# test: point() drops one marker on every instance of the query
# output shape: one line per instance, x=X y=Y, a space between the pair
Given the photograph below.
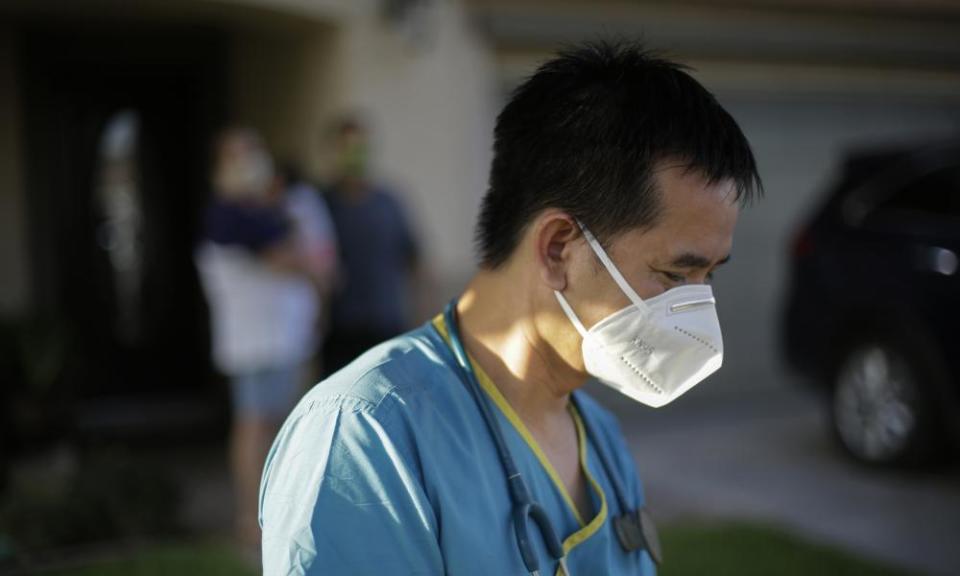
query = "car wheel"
x=879 y=411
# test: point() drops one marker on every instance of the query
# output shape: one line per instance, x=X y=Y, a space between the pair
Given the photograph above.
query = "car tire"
x=882 y=409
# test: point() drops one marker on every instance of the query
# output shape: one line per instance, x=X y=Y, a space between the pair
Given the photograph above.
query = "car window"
x=937 y=193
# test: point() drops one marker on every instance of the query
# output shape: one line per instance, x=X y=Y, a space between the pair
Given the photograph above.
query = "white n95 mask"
x=653 y=350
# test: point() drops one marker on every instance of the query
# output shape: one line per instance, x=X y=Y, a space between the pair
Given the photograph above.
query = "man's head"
x=637 y=151
x=585 y=134
x=352 y=150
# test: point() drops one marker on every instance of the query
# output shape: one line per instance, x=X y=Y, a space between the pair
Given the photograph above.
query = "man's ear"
x=554 y=233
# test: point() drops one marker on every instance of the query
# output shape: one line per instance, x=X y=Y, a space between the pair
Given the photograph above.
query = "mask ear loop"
x=611 y=267
x=571 y=315
x=614 y=273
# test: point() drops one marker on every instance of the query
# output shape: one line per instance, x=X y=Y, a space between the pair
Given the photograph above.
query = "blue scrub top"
x=387 y=467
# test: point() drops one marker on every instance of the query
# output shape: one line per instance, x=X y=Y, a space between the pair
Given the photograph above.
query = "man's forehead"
x=678 y=246
x=694 y=243
x=691 y=251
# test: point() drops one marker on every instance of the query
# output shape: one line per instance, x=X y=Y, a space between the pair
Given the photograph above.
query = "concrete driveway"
x=767 y=455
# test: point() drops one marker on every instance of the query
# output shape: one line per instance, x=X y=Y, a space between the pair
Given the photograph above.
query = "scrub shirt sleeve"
x=340 y=495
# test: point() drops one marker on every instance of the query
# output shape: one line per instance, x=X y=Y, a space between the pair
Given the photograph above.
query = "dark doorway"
x=113 y=268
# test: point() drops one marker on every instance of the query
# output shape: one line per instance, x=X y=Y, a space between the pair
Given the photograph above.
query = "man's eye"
x=676 y=278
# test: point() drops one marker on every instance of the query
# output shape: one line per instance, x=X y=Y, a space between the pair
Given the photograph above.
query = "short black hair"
x=584 y=134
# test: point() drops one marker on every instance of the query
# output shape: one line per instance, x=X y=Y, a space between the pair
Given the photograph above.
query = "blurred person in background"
x=257 y=276
x=466 y=446
x=378 y=254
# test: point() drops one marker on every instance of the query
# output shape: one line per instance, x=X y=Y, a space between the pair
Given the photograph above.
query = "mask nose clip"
x=692 y=305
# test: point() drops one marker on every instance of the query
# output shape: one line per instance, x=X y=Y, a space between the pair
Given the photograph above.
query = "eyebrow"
x=691 y=260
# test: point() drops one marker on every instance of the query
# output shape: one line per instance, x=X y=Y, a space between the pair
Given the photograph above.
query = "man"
x=377 y=255
x=415 y=460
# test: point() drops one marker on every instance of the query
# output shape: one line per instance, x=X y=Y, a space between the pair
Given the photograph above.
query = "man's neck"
x=499 y=332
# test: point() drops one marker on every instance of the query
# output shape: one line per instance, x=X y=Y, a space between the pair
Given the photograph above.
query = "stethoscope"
x=635 y=529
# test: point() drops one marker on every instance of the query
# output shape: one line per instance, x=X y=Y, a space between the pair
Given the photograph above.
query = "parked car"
x=872 y=314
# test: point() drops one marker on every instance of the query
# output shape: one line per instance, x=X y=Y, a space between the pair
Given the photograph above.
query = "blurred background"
x=823 y=446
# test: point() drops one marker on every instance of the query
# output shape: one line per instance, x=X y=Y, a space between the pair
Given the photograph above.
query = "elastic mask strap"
x=611 y=267
x=571 y=315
